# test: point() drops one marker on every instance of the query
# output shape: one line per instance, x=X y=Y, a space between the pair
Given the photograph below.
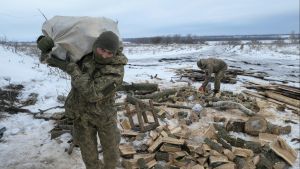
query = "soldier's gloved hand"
x=45 y=43
x=73 y=69
x=201 y=89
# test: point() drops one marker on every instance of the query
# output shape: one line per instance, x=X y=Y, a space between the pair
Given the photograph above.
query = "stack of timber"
x=283 y=95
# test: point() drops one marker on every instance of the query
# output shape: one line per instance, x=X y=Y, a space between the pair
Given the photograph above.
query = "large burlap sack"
x=75 y=35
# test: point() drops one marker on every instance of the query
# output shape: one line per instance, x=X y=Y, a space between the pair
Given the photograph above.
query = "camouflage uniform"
x=90 y=104
x=212 y=65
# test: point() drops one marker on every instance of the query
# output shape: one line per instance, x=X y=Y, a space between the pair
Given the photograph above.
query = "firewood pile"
x=175 y=147
x=154 y=135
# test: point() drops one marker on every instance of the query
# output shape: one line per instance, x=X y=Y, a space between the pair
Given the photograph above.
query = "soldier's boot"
x=86 y=136
x=110 y=138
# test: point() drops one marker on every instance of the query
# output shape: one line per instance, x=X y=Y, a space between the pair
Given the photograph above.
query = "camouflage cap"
x=107 y=40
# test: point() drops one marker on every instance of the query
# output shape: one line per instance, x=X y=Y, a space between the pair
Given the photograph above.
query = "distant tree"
x=294 y=39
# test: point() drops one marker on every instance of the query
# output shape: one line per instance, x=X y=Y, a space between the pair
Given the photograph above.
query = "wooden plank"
x=171 y=140
x=129 y=133
x=242 y=152
x=170 y=148
x=126 y=150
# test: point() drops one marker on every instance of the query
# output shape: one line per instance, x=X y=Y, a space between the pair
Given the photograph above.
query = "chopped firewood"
x=156 y=144
x=192 y=146
x=256 y=125
x=278 y=130
x=126 y=150
x=164 y=133
x=171 y=140
x=242 y=152
x=214 y=145
x=162 y=156
x=235 y=125
x=219 y=119
x=146 y=157
x=256 y=159
x=266 y=137
x=179 y=154
x=243 y=163
x=226 y=166
x=197 y=167
x=151 y=164
x=129 y=163
x=217 y=160
x=282 y=149
x=125 y=124
x=202 y=160
x=153 y=134
x=170 y=148
x=129 y=133
x=210 y=132
x=229 y=154
x=175 y=130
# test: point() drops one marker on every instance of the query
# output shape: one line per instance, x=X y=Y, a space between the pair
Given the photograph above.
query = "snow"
x=26 y=143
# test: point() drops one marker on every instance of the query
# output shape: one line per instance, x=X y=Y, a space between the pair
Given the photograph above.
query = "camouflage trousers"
x=218 y=77
x=86 y=128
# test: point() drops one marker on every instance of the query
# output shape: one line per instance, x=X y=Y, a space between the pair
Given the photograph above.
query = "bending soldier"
x=94 y=79
x=212 y=65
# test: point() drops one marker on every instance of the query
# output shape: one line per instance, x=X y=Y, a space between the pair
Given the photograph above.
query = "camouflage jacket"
x=211 y=65
x=93 y=84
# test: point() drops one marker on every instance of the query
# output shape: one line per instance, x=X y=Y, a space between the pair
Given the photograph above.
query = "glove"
x=45 y=43
x=201 y=89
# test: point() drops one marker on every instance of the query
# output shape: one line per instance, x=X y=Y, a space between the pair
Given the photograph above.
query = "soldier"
x=212 y=65
x=94 y=79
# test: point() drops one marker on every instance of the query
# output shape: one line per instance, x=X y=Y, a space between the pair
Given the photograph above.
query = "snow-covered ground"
x=26 y=143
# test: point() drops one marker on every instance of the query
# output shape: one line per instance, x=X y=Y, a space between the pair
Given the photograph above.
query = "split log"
x=155 y=144
x=232 y=105
x=281 y=148
x=162 y=156
x=170 y=148
x=142 y=105
x=126 y=150
x=214 y=145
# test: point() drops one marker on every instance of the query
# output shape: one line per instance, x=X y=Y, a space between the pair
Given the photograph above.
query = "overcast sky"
x=20 y=19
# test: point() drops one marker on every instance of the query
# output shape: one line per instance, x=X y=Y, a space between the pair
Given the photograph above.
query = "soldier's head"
x=200 y=64
x=106 y=45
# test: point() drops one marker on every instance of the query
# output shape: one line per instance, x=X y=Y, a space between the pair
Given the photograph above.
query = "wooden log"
x=236 y=125
x=278 y=130
x=256 y=125
x=159 y=95
x=232 y=105
x=242 y=152
x=172 y=106
x=139 y=86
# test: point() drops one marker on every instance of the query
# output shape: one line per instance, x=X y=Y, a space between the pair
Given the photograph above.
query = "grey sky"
x=20 y=20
